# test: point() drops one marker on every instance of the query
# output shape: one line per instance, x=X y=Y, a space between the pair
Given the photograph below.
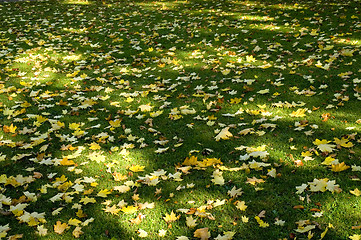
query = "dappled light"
x=195 y=119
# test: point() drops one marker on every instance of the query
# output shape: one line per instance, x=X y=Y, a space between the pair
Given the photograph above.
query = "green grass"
x=175 y=74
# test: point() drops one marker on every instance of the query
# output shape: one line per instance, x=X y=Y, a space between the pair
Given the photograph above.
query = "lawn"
x=180 y=119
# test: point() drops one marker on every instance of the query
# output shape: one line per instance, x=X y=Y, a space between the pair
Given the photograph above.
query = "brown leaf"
x=315 y=210
x=298 y=207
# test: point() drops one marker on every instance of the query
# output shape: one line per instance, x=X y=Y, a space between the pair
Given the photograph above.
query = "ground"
x=180 y=119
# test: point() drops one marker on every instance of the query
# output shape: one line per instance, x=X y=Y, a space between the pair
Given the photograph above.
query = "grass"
x=109 y=93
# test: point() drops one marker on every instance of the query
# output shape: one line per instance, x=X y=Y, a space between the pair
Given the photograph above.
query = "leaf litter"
x=216 y=94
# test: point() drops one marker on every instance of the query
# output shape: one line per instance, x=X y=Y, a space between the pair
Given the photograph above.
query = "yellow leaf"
x=137 y=168
x=245 y=219
x=103 y=193
x=190 y=161
x=42 y=231
x=323 y=234
x=87 y=200
x=9 y=129
x=77 y=232
x=355 y=237
x=202 y=233
x=145 y=107
x=224 y=134
x=122 y=188
x=191 y=223
x=171 y=217
x=356 y=192
x=94 y=146
x=142 y=233
x=74 y=126
x=59 y=227
x=241 y=205
x=261 y=223
x=209 y=162
x=119 y=177
x=74 y=222
x=328 y=161
x=41 y=119
x=162 y=233
x=226 y=72
x=129 y=209
x=113 y=210
x=80 y=214
x=115 y=123
x=66 y=162
x=339 y=167
x=299 y=113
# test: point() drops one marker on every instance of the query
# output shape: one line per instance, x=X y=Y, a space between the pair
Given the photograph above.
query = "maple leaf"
x=223 y=134
x=66 y=162
x=241 y=205
x=356 y=192
x=80 y=214
x=343 y=142
x=190 y=161
x=217 y=178
x=3 y=230
x=191 y=223
x=9 y=129
x=162 y=233
x=115 y=123
x=87 y=200
x=145 y=108
x=74 y=222
x=42 y=231
x=77 y=232
x=234 y=192
x=260 y=222
x=209 y=162
x=245 y=219
x=122 y=188
x=59 y=227
x=202 y=233
x=299 y=113
x=138 y=219
x=104 y=193
x=355 y=237
x=339 y=167
x=301 y=189
x=305 y=229
x=113 y=210
x=253 y=181
x=323 y=145
x=94 y=146
x=129 y=209
x=226 y=236
x=171 y=217
x=142 y=233
x=137 y=168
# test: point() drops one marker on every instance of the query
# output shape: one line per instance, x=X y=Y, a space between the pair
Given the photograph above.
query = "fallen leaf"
x=202 y=233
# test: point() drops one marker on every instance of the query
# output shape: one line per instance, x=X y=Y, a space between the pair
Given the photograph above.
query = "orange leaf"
x=315 y=210
x=9 y=129
x=298 y=207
